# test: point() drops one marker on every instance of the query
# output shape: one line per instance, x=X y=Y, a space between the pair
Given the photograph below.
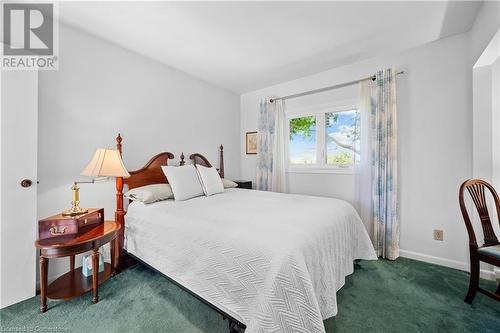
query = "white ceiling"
x=243 y=46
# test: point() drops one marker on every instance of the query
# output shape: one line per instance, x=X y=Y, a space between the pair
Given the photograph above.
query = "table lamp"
x=105 y=163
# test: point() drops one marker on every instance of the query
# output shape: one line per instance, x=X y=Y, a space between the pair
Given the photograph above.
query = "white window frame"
x=319 y=112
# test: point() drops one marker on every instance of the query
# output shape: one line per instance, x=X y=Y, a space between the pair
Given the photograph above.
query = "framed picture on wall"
x=251 y=140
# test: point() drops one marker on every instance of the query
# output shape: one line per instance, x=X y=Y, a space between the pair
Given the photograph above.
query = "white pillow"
x=210 y=180
x=150 y=193
x=184 y=181
x=228 y=183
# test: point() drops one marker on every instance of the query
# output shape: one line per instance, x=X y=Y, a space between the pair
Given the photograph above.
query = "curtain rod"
x=315 y=91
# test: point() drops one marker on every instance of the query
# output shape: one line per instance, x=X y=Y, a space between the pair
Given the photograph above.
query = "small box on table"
x=60 y=226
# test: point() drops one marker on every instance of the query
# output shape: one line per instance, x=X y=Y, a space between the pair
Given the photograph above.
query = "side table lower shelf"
x=74 y=283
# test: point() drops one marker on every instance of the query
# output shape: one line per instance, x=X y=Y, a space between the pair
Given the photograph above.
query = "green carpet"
x=382 y=296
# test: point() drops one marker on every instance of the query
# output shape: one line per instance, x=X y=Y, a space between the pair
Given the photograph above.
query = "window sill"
x=341 y=171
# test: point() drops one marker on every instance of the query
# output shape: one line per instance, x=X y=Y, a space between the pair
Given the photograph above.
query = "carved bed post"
x=182 y=162
x=221 y=162
x=120 y=213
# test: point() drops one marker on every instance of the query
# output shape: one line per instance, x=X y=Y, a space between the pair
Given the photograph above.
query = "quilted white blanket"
x=273 y=261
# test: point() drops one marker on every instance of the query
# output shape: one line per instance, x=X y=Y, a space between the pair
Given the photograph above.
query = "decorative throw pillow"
x=228 y=183
x=150 y=193
x=210 y=180
x=184 y=181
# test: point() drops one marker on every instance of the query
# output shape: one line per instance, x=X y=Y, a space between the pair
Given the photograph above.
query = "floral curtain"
x=270 y=146
x=363 y=199
x=384 y=165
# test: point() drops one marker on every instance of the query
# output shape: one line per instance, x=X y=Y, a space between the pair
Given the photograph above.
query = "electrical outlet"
x=438 y=234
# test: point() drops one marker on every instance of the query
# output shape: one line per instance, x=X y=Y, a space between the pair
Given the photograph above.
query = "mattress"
x=273 y=261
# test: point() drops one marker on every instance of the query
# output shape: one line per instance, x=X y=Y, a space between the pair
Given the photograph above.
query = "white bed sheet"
x=273 y=261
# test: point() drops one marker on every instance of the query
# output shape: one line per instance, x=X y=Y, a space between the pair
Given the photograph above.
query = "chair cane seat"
x=490 y=251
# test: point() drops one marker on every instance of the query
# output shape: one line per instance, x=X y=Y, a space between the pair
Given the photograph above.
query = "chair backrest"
x=476 y=189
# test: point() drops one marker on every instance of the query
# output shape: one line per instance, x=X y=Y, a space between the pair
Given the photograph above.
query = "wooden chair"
x=489 y=252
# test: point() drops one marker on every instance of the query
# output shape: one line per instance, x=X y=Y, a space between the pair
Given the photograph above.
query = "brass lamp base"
x=74 y=211
x=75 y=204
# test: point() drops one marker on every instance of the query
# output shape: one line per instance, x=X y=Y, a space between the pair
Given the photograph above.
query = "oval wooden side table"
x=74 y=283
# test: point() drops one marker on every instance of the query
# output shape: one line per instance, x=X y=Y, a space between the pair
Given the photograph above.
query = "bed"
x=268 y=262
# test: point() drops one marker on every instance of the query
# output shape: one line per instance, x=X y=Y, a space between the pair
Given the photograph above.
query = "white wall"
x=486 y=121
x=486 y=101
x=482 y=123
x=101 y=89
x=435 y=142
x=495 y=121
x=486 y=124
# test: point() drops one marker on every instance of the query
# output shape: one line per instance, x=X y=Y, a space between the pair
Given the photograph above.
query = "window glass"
x=342 y=138
x=302 y=147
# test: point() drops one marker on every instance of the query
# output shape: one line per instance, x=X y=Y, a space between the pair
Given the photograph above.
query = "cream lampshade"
x=105 y=163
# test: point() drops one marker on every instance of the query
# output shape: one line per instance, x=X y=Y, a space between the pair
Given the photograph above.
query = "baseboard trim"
x=463 y=266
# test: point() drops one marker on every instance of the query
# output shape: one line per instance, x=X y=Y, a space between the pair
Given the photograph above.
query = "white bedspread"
x=273 y=261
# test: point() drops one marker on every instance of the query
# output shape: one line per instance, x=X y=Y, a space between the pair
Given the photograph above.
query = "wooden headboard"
x=149 y=174
x=202 y=160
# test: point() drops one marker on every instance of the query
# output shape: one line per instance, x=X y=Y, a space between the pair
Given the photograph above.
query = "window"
x=326 y=138
x=342 y=138
x=302 y=140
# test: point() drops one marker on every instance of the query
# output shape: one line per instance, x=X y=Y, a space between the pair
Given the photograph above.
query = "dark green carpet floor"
x=382 y=296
